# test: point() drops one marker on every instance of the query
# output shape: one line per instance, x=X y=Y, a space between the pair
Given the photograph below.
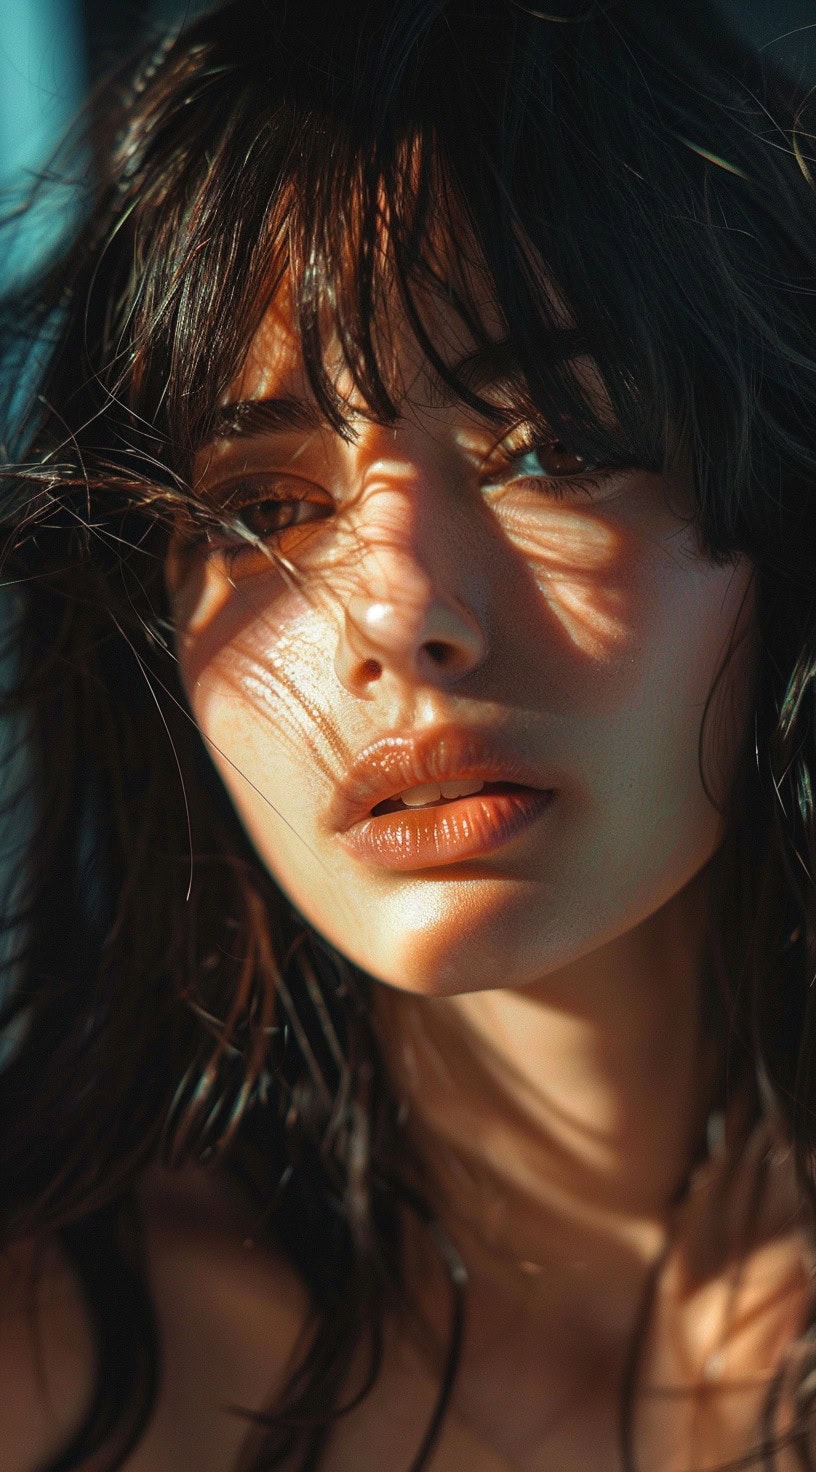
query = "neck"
x=557 y=1122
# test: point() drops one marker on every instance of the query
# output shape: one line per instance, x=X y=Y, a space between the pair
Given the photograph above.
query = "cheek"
x=695 y=648
x=665 y=758
x=582 y=567
x=261 y=690
x=256 y=661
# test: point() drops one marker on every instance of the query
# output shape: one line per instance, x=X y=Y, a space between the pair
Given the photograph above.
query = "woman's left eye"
x=548 y=460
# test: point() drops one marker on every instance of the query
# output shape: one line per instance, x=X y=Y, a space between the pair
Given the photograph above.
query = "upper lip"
x=392 y=764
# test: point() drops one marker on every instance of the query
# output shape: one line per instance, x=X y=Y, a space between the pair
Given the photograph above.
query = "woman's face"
x=459 y=601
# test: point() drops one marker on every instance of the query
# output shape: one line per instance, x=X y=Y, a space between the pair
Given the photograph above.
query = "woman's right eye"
x=274 y=508
x=264 y=519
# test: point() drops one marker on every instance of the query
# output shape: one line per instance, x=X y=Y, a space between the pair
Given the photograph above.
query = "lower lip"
x=430 y=838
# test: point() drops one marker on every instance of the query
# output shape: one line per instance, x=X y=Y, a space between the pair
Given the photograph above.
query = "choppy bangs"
x=575 y=199
x=360 y=234
x=636 y=182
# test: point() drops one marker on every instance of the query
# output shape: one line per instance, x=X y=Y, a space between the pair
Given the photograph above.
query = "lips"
x=432 y=795
x=383 y=833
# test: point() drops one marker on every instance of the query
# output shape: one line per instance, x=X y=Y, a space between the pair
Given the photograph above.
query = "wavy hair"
x=631 y=165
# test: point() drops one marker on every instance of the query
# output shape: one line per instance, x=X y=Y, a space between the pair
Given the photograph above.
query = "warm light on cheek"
x=223 y=622
x=271 y=673
x=578 y=563
x=198 y=598
x=272 y=730
x=263 y=692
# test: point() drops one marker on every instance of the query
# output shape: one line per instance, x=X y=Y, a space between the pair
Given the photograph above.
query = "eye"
x=263 y=519
x=531 y=456
x=547 y=460
x=263 y=511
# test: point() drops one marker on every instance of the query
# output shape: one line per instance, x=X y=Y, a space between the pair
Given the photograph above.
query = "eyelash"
x=223 y=538
x=534 y=443
x=230 y=545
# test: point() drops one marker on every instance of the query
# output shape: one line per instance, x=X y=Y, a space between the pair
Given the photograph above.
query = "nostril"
x=426 y=637
x=441 y=654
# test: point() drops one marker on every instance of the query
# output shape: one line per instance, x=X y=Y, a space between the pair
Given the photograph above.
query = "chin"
x=428 y=967
x=407 y=974
x=421 y=982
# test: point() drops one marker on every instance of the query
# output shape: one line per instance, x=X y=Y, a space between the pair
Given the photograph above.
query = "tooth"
x=461 y=789
x=416 y=797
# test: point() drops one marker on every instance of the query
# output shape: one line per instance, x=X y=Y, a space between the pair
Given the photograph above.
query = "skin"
x=583 y=626
x=541 y=1013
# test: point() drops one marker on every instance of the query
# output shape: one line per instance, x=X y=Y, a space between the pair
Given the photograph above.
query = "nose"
x=408 y=613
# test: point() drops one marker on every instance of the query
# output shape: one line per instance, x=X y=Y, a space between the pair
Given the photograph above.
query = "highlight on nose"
x=441 y=638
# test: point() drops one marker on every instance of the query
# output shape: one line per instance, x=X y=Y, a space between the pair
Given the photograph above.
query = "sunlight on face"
x=442 y=575
x=573 y=556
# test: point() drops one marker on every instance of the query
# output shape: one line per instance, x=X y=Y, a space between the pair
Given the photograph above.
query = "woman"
x=410 y=1053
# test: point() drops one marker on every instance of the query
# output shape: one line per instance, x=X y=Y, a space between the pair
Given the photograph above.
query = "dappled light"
x=574 y=557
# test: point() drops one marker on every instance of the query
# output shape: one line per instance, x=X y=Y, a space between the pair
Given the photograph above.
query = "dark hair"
x=632 y=166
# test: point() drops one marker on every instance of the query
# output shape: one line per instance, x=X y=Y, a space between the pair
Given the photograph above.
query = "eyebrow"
x=488 y=367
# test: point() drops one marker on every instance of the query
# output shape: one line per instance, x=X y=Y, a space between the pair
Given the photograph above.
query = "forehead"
x=272 y=393
x=380 y=320
x=274 y=362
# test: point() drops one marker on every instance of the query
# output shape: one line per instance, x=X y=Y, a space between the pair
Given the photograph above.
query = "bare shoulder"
x=230 y=1313
x=46 y=1356
x=211 y=1267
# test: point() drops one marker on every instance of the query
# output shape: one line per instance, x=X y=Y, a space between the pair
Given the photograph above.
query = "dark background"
x=110 y=26
x=782 y=24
